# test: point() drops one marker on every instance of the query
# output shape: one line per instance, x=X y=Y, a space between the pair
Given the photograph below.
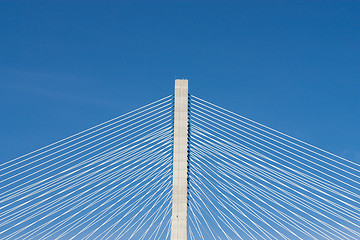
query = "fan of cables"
x=112 y=181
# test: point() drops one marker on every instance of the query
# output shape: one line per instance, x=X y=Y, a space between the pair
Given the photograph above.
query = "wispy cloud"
x=50 y=86
x=61 y=95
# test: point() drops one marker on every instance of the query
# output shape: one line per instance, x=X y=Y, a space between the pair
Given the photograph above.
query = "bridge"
x=180 y=168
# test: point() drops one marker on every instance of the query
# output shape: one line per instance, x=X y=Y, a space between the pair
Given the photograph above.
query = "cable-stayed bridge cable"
x=271 y=184
x=245 y=181
x=94 y=183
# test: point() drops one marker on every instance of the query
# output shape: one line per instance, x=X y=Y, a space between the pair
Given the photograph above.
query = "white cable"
x=278 y=132
x=232 y=203
x=33 y=223
x=276 y=209
x=121 y=191
x=82 y=173
x=217 y=115
x=306 y=176
x=77 y=189
x=224 y=151
x=214 y=122
x=221 y=212
x=141 y=130
x=18 y=162
x=132 y=208
x=288 y=157
x=129 y=130
x=282 y=190
x=239 y=192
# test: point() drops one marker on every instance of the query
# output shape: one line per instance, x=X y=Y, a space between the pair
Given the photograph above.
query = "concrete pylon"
x=180 y=158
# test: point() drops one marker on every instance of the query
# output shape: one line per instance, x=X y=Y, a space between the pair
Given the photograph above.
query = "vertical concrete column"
x=179 y=207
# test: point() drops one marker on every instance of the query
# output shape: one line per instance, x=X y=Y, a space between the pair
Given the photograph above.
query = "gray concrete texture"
x=179 y=207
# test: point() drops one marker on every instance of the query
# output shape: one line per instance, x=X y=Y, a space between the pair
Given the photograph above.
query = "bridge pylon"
x=180 y=162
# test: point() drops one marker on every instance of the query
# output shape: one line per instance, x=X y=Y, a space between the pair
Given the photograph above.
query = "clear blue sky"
x=68 y=65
